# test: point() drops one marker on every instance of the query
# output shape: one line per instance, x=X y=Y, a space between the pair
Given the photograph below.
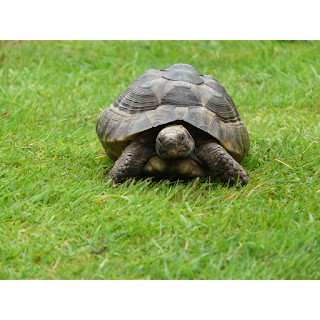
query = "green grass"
x=54 y=210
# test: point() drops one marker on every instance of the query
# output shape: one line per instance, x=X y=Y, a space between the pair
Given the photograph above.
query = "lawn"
x=54 y=210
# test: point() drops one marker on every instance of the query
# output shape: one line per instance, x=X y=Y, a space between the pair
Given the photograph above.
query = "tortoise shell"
x=177 y=93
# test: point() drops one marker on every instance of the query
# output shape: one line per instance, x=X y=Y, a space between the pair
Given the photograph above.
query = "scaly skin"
x=222 y=164
x=131 y=162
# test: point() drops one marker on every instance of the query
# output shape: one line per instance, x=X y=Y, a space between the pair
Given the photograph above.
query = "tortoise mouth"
x=174 y=153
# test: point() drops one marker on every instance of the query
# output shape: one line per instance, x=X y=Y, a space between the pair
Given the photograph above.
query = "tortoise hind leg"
x=222 y=164
x=130 y=162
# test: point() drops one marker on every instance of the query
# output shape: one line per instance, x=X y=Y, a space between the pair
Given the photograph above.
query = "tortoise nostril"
x=170 y=143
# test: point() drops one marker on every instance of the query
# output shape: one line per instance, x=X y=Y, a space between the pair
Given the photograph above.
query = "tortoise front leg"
x=131 y=162
x=222 y=164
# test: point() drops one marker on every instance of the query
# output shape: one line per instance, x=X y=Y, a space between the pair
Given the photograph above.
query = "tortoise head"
x=174 y=141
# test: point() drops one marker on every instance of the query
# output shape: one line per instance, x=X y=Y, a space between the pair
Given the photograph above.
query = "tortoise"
x=174 y=121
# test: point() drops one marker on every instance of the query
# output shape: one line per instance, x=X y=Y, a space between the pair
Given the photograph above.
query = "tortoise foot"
x=222 y=164
x=130 y=163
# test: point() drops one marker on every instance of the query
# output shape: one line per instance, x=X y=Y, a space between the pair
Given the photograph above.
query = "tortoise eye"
x=160 y=140
x=183 y=138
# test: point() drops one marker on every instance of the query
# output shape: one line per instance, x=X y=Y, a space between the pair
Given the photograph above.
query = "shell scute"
x=187 y=77
x=177 y=93
x=162 y=115
x=199 y=117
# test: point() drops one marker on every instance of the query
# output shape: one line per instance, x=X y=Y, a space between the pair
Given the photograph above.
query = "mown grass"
x=54 y=210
